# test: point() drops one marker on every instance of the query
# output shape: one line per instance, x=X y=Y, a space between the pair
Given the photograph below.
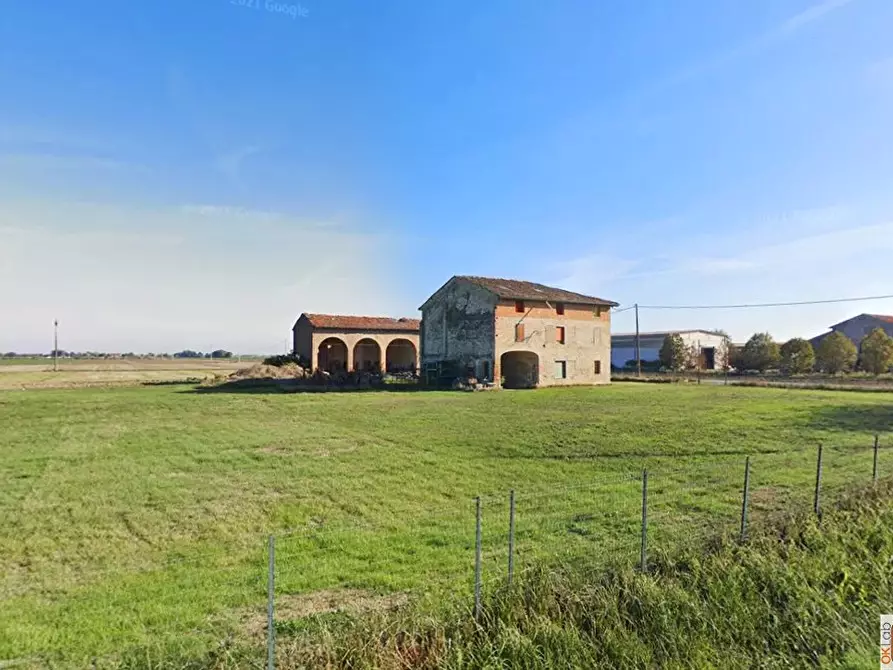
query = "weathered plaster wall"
x=458 y=325
x=587 y=339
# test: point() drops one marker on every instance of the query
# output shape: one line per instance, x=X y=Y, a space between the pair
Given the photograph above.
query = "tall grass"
x=800 y=593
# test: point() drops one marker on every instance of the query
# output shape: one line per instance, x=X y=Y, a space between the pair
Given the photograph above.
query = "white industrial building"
x=709 y=342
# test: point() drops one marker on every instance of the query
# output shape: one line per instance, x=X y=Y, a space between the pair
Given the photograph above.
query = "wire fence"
x=283 y=583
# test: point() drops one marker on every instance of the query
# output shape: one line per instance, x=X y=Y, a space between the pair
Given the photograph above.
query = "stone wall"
x=458 y=326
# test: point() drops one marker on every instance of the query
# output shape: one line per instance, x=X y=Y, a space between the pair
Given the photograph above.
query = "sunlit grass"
x=137 y=517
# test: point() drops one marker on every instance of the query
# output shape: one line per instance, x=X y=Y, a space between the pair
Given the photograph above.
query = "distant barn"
x=858 y=327
x=339 y=343
x=709 y=342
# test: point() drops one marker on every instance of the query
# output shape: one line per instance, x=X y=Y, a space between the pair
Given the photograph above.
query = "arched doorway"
x=520 y=369
x=400 y=356
x=332 y=355
x=367 y=356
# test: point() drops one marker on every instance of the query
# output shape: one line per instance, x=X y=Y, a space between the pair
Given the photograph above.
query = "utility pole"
x=638 y=355
x=55 y=344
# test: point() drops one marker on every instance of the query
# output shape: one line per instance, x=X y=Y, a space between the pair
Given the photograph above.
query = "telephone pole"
x=55 y=344
x=638 y=356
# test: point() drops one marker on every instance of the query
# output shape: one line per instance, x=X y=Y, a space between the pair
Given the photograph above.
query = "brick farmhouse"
x=518 y=334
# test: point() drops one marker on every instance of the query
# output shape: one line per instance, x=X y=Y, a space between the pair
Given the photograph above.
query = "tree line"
x=186 y=353
x=834 y=354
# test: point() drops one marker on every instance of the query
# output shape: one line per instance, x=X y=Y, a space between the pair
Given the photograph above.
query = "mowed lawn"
x=135 y=518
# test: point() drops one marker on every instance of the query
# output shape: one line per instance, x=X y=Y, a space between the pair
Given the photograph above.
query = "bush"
x=760 y=353
x=673 y=354
x=797 y=356
x=281 y=360
x=876 y=352
x=836 y=353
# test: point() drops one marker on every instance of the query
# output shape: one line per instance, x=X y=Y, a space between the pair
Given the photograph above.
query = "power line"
x=618 y=311
x=763 y=304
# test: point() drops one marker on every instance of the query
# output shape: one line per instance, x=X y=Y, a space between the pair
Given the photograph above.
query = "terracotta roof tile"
x=883 y=317
x=514 y=289
x=344 y=322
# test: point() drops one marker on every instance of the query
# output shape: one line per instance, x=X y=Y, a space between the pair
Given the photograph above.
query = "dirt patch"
x=768 y=498
x=261 y=371
x=329 y=601
x=276 y=450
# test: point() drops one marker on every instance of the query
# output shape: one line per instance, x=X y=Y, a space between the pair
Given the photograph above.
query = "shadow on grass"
x=862 y=418
x=266 y=386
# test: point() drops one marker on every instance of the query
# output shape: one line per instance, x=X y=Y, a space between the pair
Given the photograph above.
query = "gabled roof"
x=515 y=289
x=879 y=317
x=344 y=322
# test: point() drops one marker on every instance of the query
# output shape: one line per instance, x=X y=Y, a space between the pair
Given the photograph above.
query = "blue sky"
x=197 y=174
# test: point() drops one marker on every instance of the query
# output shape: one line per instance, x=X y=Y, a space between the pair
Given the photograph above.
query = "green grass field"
x=133 y=520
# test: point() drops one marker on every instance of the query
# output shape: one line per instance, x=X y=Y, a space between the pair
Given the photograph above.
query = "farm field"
x=37 y=373
x=133 y=520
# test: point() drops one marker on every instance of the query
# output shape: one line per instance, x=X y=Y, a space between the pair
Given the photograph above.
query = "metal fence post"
x=817 y=504
x=643 y=560
x=874 y=466
x=511 y=535
x=745 y=499
x=477 y=560
x=271 y=633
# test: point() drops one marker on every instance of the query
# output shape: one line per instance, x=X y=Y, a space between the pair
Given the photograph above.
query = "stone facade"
x=479 y=325
x=337 y=343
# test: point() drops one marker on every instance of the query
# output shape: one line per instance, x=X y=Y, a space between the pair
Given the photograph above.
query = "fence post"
x=643 y=560
x=745 y=499
x=817 y=504
x=477 y=559
x=271 y=633
x=874 y=466
x=511 y=535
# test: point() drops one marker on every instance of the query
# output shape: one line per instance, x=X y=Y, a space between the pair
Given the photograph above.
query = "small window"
x=560 y=369
x=598 y=367
x=559 y=308
x=559 y=334
x=485 y=370
x=519 y=332
x=598 y=311
x=519 y=306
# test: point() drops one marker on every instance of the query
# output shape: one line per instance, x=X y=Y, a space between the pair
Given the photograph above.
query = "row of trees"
x=835 y=353
x=188 y=353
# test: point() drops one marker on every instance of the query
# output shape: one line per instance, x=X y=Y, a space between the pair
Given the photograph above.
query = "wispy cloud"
x=810 y=15
x=757 y=44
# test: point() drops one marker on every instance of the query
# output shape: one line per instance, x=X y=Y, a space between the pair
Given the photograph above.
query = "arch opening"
x=400 y=356
x=332 y=355
x=367 y=356
x=520 y=369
